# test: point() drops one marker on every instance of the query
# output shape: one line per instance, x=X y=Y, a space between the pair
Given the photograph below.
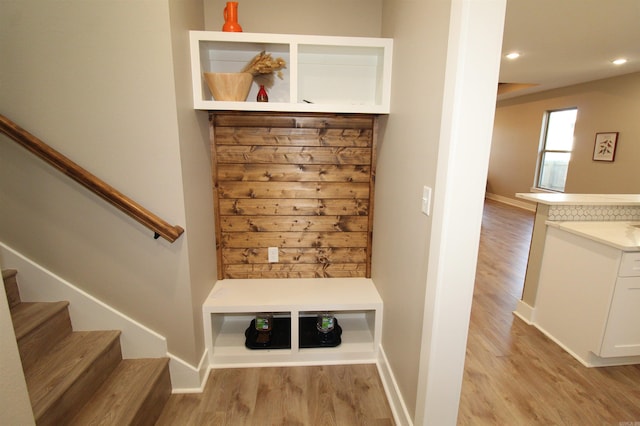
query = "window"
x=557 y=143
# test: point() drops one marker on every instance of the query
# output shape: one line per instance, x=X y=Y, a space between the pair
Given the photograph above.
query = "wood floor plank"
x=294 y=396
x=294 y=385
x=347 y=409
x=243 y=393
x=182 y=409
x=321 y=389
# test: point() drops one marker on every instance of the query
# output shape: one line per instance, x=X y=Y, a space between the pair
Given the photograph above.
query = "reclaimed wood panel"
x=292 y=155
x=297 y=255
x=294 y=173
x=371 y=194
x=294 y=190
x=278 y=270
x=293 y=223
x=301 y=183
x=294 y=239
x=285 y=207
x=293 y=121
x=293 y=137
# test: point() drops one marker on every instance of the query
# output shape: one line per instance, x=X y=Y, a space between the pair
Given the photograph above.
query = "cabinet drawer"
x=630 y=265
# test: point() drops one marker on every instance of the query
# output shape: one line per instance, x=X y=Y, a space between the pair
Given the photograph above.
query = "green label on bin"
x=327 y=323
x=262 y=324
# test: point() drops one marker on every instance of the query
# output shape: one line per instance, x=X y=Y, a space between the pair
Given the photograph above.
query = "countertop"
x=621 y=235
x=557 y=198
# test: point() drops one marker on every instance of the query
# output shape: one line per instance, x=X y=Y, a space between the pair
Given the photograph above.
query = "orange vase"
x=231 y=18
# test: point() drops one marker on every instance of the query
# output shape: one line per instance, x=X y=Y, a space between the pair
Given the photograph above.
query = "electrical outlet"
x=426 y=200
x=273 y=254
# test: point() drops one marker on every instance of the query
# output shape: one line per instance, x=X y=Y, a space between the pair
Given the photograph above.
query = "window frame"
x=543 y=148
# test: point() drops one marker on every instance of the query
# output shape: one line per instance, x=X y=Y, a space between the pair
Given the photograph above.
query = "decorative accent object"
x=262 y=95
x=279 y=337
x=311 y=336
x=231 y=18
x=233 y=86
x=263 y=66
x=605 y=146
x=263 y=325
x=264 y=322
x=325 y=322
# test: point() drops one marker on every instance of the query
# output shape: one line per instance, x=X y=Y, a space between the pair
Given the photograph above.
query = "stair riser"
x=11 y=287
x=135 y=394
x=66 y=407
x=155 y=402
x=39 y=341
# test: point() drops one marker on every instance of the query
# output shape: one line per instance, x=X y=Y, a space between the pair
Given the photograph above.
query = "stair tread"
x=27 y=316
x=120 y=397
x=68 y=360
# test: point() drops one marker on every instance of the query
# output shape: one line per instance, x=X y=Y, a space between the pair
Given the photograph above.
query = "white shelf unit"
x=323 y=74
x=233 y=303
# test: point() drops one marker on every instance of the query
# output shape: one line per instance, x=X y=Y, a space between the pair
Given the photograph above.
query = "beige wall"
x=407 y=160
x=95 y=80
x=358 y=18
x=195 y=163
x=609 y=105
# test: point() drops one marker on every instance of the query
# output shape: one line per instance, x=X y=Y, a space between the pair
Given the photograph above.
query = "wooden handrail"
x=89 y=181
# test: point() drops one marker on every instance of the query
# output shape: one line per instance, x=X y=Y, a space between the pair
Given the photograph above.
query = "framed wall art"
x=605 y=146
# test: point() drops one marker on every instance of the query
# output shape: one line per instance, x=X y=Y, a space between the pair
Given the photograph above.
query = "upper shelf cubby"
x=323 y=74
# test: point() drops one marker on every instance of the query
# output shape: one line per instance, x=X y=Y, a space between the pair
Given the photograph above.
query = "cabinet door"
x=622 y=334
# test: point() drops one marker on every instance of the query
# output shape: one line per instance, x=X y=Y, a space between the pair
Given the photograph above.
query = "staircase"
x=79 y=377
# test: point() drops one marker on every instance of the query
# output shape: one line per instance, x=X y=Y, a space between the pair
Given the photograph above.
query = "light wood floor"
x=307 y=396
x=514 y=375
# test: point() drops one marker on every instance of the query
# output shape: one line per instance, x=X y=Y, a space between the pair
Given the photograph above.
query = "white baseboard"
x=36 y=284
x=188 y=379
x=399 y=410
x=511 y=201
x=524 y=311
x=559 y=343
x=588 y=358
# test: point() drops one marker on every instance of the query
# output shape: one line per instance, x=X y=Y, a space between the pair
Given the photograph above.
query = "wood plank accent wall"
x=300 y=182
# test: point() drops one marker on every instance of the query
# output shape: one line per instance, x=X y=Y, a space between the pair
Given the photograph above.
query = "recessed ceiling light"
x=619 y=61
x=512 y=55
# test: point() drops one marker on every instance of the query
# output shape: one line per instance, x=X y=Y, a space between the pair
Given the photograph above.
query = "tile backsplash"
x=594 y=213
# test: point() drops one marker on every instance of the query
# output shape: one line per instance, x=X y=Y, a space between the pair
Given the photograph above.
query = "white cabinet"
x=233 y=303
x=323 y=74
x=622 y=333
x=588 y=299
